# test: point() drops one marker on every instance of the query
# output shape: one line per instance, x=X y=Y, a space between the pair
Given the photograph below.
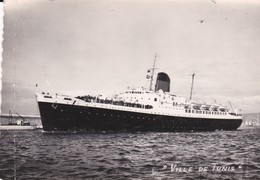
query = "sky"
x=77 y=47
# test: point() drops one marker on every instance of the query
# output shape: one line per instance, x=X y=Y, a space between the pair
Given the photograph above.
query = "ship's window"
x=192 y=111
x=155 y=99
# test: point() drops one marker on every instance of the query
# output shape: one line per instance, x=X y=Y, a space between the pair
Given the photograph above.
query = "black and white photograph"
x=133 y=89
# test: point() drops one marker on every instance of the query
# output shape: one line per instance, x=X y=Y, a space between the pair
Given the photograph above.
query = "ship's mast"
x=192 y=86
x=10 y=117
x=151 y=80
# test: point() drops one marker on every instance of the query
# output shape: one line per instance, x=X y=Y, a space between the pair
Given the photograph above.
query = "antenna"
x=151 y=81
x=192 y=86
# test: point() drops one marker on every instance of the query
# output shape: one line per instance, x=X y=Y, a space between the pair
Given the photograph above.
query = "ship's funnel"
x=162 y=82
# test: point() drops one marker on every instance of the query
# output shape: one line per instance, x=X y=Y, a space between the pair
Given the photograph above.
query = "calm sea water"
x=207 y=155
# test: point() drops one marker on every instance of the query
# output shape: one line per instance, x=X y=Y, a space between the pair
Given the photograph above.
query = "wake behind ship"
x=136 y=109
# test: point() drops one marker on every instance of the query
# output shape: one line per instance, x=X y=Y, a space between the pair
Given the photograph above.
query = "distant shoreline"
x=16 y=116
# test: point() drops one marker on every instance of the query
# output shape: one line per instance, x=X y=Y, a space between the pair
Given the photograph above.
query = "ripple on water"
x=129 y=155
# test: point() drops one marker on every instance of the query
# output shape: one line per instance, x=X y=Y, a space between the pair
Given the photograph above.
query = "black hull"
x=62 y=117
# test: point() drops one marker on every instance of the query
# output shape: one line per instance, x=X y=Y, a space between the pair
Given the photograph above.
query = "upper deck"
x=144 y=101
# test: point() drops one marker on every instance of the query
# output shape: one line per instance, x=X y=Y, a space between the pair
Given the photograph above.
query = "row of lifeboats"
x=206 y=107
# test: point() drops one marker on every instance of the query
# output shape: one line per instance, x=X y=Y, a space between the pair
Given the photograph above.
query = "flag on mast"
x=149 y=74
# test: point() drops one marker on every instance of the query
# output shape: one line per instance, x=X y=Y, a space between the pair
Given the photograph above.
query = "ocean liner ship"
x=137 y=109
